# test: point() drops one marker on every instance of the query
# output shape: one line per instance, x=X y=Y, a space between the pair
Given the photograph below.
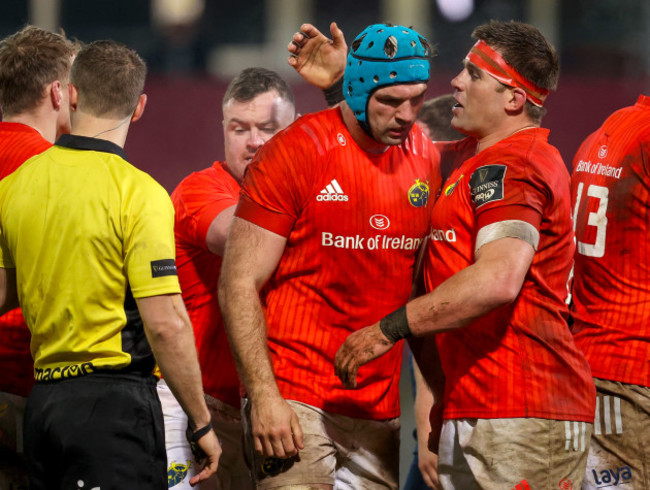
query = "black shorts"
x=96 y=431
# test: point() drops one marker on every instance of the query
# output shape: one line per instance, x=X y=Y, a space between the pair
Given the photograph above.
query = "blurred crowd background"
x=194 y=47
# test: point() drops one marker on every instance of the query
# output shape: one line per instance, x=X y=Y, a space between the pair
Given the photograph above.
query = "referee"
x=87 y=249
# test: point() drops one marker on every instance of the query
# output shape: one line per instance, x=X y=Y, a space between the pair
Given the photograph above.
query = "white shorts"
x=232 y=473
x=180 y=462
x=619 y=455
x=517 y=453
x=344 y=452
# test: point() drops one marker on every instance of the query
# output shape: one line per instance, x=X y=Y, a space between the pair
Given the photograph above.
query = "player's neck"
x=113 y=130
x=503 y=132
x=358 y=134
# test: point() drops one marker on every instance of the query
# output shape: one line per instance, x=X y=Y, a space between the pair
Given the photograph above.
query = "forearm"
x=172 y=342
x=494 y=280
x=455 y=303
x=252 y=254
x=430 y=387
x=422 y=407
x=179 y=365
x=246 y=330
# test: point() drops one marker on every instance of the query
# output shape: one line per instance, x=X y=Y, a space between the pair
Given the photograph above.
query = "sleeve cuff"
x=278 y=223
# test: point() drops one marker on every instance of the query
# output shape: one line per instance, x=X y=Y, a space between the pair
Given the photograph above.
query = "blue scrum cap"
x=383 y=55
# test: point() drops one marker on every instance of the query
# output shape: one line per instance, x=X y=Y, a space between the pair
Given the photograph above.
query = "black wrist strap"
x=395 y=326
x=334 y=93
x=197 y=434
x=193 y=437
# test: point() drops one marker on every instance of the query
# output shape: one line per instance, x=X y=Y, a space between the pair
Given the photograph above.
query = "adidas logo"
x=332 y=192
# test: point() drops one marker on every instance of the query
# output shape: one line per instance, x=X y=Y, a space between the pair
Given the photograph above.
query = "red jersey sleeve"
x=274 y=188
x=512 y=190
x=198 y=199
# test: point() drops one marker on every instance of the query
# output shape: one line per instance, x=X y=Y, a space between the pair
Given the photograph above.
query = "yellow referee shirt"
x=87 y=233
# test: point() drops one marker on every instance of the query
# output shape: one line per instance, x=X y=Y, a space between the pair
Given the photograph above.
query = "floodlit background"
x=194 y=47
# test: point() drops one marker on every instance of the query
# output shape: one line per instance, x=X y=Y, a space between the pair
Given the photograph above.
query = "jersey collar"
x=94 y=144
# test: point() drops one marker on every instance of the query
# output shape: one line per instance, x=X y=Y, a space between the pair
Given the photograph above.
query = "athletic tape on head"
x=489 y=60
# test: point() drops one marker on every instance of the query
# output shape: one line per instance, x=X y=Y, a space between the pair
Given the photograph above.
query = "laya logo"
x=332 y=192
x=612 y=477
x=341 y=139
x=177 y=472
x=379 y=222
x=602 y=151
x=419 y=193
x=486 y=184
x=449 y=190
x=164 y=267
x=565 y=484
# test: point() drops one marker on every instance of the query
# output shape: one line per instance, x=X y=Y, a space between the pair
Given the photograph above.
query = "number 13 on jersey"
x=596 y=219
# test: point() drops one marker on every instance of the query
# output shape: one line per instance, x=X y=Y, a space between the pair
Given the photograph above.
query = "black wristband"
x=334 y=93
x=193 y=437
x=395 y=326
x=197 y=434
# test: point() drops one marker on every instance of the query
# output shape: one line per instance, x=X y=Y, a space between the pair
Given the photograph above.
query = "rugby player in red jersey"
x=611 y=292
x=518 y=402
x=256 y=105
x=332 y=213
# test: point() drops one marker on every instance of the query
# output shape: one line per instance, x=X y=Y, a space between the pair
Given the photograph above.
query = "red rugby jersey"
x=610 y=191
x=353 y=223
x=198 y=199
x=18 y=142
x=519 y=360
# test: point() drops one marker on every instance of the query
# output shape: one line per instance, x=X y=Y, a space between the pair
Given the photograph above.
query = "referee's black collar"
x=85 y=143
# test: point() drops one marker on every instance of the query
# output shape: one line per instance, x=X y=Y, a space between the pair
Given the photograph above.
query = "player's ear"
x=139 y=108
x=74 y=97
x=55 y=94
x=517 y=99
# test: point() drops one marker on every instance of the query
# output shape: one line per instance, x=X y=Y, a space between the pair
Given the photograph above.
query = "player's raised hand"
x=318 y=59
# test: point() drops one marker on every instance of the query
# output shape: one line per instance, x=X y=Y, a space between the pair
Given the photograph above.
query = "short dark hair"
x=436 y=114
x=526 y=49
x=30 y=60
x=251 y=82
x=109 y=77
